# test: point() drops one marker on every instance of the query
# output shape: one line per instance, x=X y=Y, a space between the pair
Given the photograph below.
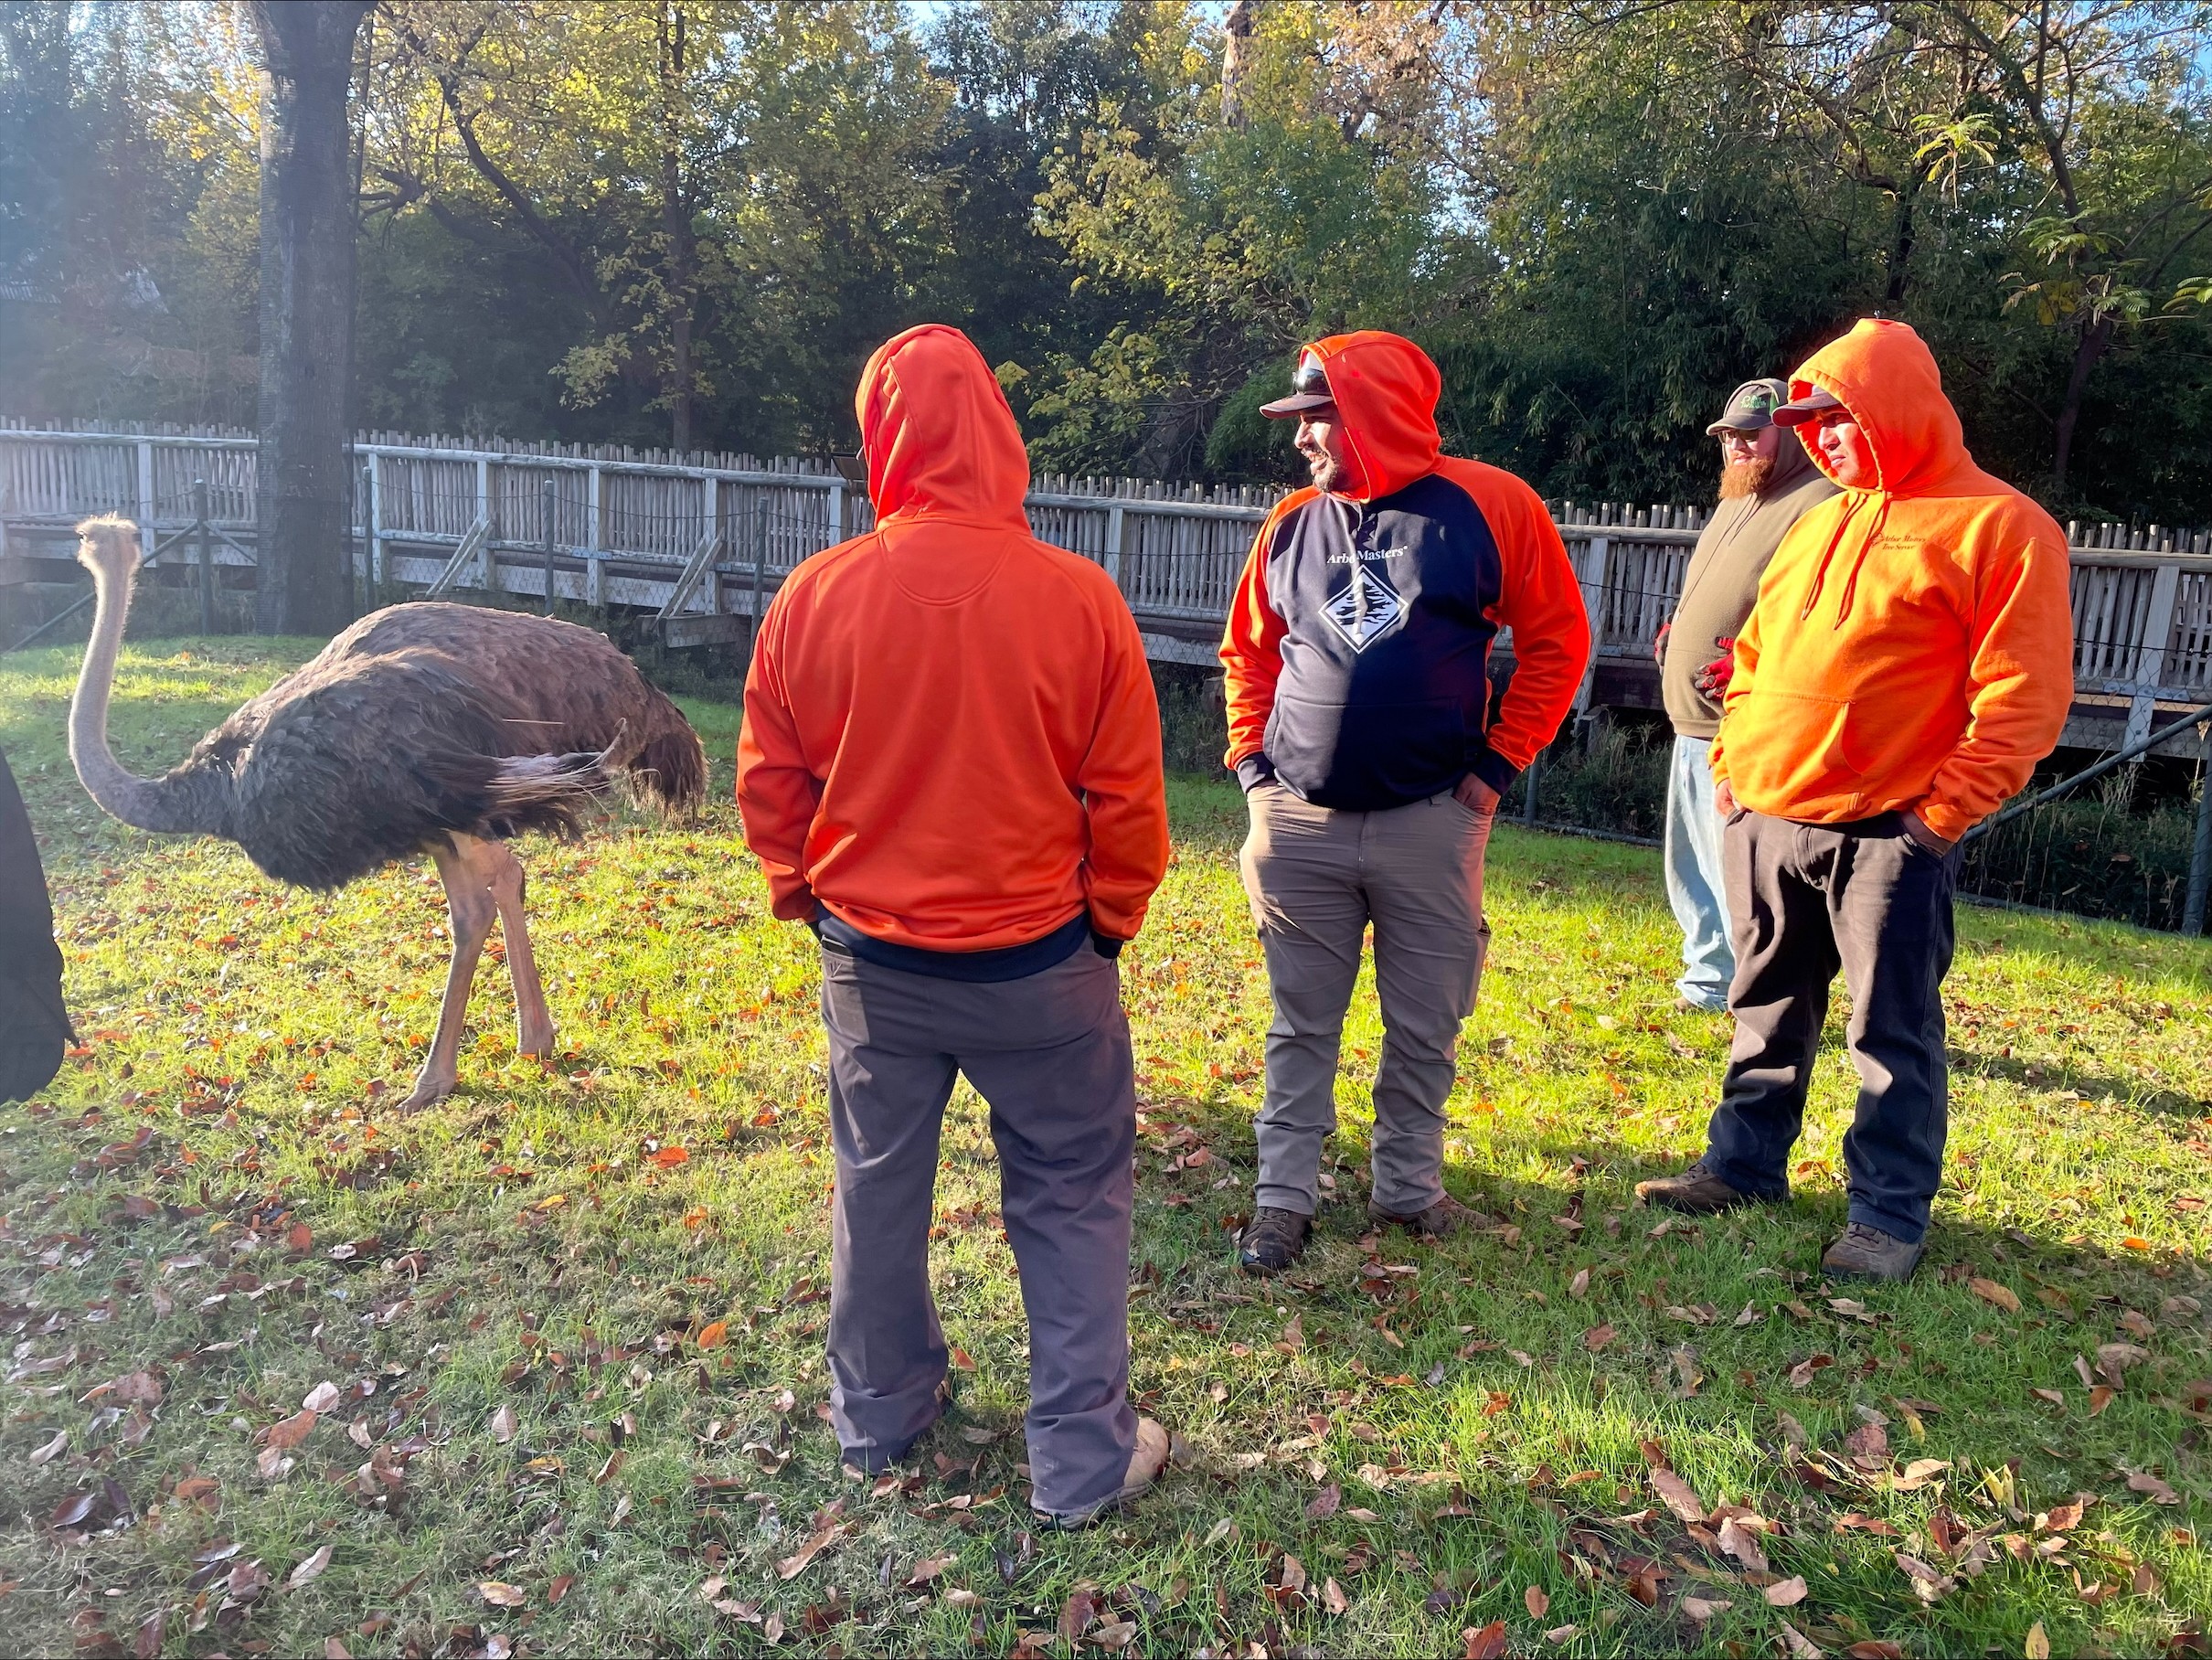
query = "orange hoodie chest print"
x=1377 y=614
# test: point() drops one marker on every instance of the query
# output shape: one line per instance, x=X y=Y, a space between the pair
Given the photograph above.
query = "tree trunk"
x=1236 y=48
x=676 y=229
x=2096 y=340
x=307 y=285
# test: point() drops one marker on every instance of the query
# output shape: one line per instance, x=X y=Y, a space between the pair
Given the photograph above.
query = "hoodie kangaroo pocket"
x=1795 y=753
x=1363 y=756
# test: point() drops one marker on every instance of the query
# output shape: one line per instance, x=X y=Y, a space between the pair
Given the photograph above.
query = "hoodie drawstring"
x=1820 y=571
x=1874 y=531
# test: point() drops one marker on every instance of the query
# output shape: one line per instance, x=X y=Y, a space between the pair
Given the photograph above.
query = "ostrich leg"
x=464 y=866
x=533 y=1020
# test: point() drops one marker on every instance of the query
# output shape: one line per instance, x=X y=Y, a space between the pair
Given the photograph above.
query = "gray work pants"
x=1807 y=900
x=1051 y=1054
x=1316 y=878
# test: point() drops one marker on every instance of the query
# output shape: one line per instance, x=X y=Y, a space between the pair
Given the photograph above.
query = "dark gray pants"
x=1051 y=1054
x=1805 y=900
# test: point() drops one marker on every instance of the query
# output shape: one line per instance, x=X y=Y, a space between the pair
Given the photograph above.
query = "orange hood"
x=1884 y=375
x=1386 y=389
x=939 y=439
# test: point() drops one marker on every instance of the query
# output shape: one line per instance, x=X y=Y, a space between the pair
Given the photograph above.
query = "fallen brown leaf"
x=1700 y=1610
x=500 y=1594
x=52 y=1450
x=1536 y=1600
x=1324 y=1502
x=1785 y=1593
x=928 y=1568
x=2144 y=1482
x=289 y=1432
x=1488 y=1643
x=1989 y=1291
x=1680 y=1496
x=1333 y=1597
x=792 y=1566
x=1743 y=1544
x=309 y=1570
x=505 y=1426
x=1596 y=1337
x=323 y=1396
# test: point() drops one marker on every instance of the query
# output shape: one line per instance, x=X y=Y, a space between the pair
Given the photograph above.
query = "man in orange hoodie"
x=950 y=768
x=1906 y=665
x=1357 y=654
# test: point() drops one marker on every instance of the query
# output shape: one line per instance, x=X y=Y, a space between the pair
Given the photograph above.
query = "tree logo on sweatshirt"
x=1364 y=609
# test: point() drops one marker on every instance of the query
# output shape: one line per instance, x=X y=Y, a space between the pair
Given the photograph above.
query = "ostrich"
x=422 y=729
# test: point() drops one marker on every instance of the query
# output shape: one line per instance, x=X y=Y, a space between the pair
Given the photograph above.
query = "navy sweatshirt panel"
x=1388 y=605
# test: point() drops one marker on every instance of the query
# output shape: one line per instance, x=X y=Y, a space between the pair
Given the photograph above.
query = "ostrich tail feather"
x=554 y=794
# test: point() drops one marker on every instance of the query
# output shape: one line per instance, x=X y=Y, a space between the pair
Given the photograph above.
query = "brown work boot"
x=1438 y=1221
x=1697 y=1191
x=1272 y=1240
x=1145 y=1466
x=1868 y=1253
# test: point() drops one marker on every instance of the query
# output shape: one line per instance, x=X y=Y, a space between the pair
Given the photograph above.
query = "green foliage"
x=691 y=221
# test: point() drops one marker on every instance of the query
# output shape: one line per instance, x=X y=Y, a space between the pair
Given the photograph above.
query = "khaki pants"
x=1316 y=878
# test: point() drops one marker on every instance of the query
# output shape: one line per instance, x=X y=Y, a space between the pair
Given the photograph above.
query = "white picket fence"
x=703 y=540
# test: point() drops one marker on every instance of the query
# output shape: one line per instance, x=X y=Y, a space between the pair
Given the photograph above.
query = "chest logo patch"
x=1364 y=609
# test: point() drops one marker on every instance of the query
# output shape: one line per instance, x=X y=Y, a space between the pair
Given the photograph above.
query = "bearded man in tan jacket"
x=1767 y=482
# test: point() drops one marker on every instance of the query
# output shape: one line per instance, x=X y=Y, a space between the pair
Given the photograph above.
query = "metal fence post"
x=2200 y=855
x=549 y=495
x=1529 y=781
x=206 y=556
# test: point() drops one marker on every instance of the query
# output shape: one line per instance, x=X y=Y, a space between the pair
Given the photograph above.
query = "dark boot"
x=1697 y=1191
x=1868 y=1253
x=1272 y=1240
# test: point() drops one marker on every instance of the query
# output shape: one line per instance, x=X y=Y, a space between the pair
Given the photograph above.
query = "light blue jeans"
x=1693 y=877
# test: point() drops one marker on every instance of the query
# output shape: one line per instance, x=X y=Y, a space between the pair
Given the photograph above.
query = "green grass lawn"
x=563 y=1333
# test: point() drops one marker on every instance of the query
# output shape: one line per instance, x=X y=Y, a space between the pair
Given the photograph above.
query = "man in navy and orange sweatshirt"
x=950 y=769
x=1357 y=656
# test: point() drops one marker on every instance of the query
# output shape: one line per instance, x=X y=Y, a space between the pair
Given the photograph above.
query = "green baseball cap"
x=1750 y=408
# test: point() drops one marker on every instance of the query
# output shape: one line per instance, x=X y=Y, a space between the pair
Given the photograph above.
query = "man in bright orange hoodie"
x=1906 y=665
x=950 y=768
x=1358 y=654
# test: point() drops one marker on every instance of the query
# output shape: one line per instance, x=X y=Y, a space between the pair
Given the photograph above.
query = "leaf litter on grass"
x=641 y=1248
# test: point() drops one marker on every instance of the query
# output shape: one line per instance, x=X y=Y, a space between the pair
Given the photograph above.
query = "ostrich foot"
x=433 y=1086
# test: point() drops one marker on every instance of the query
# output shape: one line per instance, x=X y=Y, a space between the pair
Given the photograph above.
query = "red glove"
x=1659 y=645
x=1713 y=678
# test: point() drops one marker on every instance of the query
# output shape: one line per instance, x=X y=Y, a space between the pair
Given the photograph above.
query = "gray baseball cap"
x=1750 y=407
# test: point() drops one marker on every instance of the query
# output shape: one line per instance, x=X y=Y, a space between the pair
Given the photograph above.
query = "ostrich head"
x=108 y=547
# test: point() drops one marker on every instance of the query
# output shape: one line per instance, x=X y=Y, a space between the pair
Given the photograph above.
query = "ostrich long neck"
x=149 y=803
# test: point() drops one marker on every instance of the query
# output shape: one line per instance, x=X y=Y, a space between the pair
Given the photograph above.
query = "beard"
x=1741 y=478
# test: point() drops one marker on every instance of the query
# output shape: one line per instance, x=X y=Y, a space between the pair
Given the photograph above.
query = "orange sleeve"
x=1125 y=791
x=1541 y=601
x=2019 y=680
x=1251 y=650
x=777 y=792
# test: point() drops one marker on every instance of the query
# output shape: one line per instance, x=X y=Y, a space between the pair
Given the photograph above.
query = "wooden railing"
x=619 y=528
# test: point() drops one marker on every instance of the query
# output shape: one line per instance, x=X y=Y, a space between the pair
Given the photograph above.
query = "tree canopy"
x=686 y=222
